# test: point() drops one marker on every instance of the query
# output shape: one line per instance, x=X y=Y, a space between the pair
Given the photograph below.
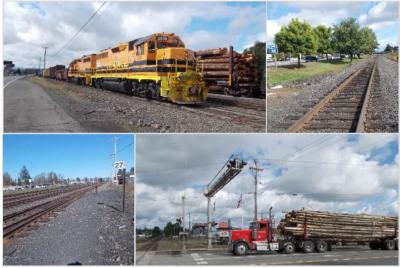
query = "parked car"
x=310 y=58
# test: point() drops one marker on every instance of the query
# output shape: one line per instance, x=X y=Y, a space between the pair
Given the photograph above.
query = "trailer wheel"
x=240 y=249
x=308 y=247
x=288 y=248
x=389 y=244
x=373 y=245
x=321 y=246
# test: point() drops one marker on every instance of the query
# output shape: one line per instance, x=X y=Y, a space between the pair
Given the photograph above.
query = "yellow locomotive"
x=157 y=66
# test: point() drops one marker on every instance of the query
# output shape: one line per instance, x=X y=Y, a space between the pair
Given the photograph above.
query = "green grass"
x=283 y=75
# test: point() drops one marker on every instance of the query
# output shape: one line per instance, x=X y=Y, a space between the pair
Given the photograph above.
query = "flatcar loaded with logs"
x=157 y=66
x=232 y=73
x=315 y=231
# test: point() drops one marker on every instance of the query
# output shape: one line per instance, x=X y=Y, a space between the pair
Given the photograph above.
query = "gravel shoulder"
x=286 y=105
x=91 y=231
x=105 y=111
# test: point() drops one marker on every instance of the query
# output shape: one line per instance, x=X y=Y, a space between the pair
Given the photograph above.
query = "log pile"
x=338 y=226
x=228 y=72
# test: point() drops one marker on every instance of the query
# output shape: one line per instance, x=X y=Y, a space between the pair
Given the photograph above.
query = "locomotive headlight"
x=194 y=90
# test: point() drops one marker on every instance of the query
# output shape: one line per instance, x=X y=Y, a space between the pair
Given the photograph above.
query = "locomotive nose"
x=194 y=90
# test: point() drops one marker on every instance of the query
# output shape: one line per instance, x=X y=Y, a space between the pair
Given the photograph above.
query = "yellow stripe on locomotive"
x=155 y=66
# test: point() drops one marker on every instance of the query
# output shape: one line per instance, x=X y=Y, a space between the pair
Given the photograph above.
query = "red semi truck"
x=260 y=238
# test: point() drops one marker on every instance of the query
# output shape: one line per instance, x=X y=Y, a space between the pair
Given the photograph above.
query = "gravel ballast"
x=105 y=111
x=91 y=231
x=383 y=113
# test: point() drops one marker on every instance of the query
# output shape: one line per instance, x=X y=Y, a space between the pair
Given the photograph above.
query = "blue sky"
x=382 y=17
x=70 y=155
x=30 y=25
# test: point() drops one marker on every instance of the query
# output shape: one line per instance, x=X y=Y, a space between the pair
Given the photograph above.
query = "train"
x=157 y=66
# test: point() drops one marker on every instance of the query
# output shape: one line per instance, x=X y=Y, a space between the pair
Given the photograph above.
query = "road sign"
x=120 y=164
x=272 y=49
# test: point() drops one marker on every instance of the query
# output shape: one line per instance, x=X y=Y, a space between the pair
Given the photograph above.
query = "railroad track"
x=344 y=109
x=16 y=222
x=17 y=199
x=248 y=103
x=150 y=245
x=246 y=111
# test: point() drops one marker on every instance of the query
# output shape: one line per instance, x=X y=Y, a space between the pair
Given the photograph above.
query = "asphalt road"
x=28 y=108
x=336 y=257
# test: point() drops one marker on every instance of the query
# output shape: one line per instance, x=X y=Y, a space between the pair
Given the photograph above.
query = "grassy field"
x=283 y=75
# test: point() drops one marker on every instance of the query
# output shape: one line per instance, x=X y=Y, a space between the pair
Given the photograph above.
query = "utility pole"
x=189 y=224
x=114 y=155
x=209 y=222
x=183 y=213
x=44 y=58
x=123 y=192
x=256 y=170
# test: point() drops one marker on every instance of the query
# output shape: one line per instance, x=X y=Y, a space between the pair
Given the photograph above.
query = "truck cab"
x=259 y=237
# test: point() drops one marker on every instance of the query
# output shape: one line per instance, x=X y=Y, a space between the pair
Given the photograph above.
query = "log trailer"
x=314 y=231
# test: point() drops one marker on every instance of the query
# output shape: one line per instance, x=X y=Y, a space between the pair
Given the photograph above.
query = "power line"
x=125 y=147
x=83 y=26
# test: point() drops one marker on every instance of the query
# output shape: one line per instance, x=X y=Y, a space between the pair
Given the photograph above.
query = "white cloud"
x=30 y=26
x=378 y=17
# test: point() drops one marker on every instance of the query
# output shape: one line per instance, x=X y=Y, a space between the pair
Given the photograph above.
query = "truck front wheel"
x=321 y=246
x=288 y=248
x=308 y=247
x=240 y=249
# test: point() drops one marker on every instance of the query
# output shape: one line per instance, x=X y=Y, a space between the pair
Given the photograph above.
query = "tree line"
x=346 y=38
x=44 y=178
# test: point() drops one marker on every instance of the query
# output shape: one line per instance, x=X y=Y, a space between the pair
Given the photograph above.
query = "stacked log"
x=228 y=72
x=338 y=226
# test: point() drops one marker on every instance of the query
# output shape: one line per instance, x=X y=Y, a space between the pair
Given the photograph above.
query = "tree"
x=296 y=38
x=324 y=40
x=368 y=41
x=171 y=229
x=24 y=176
x=52 y=178
x=388 y=48
x=40 y=179
x=7 y=179
x=156 y=231
x=347 y=37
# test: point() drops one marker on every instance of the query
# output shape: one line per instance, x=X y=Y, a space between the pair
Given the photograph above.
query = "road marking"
x=9 y=82
x=198 y=259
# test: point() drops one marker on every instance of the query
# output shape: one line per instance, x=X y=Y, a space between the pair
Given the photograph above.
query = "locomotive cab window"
x=140 y=49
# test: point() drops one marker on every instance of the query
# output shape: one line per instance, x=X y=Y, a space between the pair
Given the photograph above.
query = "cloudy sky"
x=348 y=173
x=382 y=17
x=30 y=25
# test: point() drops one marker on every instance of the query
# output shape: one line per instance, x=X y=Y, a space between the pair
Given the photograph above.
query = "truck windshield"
x=254 y=225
